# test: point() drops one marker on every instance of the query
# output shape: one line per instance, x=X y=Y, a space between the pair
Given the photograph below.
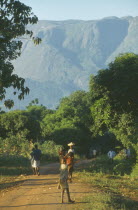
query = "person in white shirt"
x=94 y=153
x=111 y=154
x=128 y=153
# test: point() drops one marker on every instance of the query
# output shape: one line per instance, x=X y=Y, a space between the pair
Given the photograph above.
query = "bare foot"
x=71 y=201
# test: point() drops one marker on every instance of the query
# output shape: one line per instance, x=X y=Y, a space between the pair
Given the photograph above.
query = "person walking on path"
x=94 y=153
x=36 y=155
x=32 y=160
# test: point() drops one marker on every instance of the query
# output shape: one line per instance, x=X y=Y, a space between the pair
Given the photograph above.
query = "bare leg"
x=68 y=194
x=58 y=186
x=37 y=171
x=34 y=172
x=69 y=173
x=62 y=195
x=71 y=176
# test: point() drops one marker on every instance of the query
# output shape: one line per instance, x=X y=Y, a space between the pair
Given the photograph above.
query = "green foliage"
x=19 y=123
x=14 y=17
x=126 y=131
x=115 y=103
x=12 y=165
x=119 y=82
x=15 y=145
x=13 y=160
x=38 y=112
x=68 y=123
x=123 y=165
x=101 y=114
x=33 y=102
x=120 y=166
x=135 y=171
x=50 y=151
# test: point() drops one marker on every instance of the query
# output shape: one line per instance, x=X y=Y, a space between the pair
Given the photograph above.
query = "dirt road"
x=40 y=192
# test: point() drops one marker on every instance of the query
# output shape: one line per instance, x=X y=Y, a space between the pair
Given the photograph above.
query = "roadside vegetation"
x=107 y=189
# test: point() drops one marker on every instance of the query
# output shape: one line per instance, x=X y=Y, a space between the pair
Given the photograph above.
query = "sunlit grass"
x=107 y=190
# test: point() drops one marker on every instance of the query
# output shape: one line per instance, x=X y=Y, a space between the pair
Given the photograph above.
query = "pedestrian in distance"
x=111 y=154
x=32 y=160
x=35 y=159
x=127 y=152
x=94 y=152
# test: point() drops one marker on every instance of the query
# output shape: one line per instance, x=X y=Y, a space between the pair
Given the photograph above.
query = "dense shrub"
x=123 y=165
x=135 y=171
x=49 y=150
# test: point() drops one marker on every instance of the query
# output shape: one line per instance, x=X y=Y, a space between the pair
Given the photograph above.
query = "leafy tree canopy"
x=114 y=93
x=119 y=83
x=14 y=16
x=16 y=122
x=70 y=121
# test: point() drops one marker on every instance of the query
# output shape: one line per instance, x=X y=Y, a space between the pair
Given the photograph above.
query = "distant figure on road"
x=111 y=154
x=32 y=160
x=63 y=182
x=94 y=152
x=127 y=152
x=35 y=160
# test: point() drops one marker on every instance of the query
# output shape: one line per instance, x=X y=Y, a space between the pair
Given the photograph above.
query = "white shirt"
x=111 y=154
x=71 y=150
x=128 y=152
x=94 y=152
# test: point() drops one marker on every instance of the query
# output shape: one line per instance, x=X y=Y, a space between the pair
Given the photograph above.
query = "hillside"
x=70 y=51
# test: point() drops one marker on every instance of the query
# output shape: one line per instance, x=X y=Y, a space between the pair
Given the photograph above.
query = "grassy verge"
x=107 y=190
x=13 y=170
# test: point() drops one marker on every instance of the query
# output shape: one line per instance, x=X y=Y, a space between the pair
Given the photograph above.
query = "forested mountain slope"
x=70 y=51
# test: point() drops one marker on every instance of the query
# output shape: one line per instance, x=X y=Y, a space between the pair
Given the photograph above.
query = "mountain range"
x=69 y=53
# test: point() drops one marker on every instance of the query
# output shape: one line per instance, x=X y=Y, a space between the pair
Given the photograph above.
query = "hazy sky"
x=82 y=9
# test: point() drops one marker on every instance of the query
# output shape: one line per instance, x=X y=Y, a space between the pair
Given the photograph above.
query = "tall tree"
x=114 y=92
x=119 y=83
x=14 y=16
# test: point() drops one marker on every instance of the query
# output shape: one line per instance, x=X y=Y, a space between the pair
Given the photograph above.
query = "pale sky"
x=82 y=9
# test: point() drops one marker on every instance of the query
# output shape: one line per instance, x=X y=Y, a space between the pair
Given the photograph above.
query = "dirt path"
x=40 y=192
